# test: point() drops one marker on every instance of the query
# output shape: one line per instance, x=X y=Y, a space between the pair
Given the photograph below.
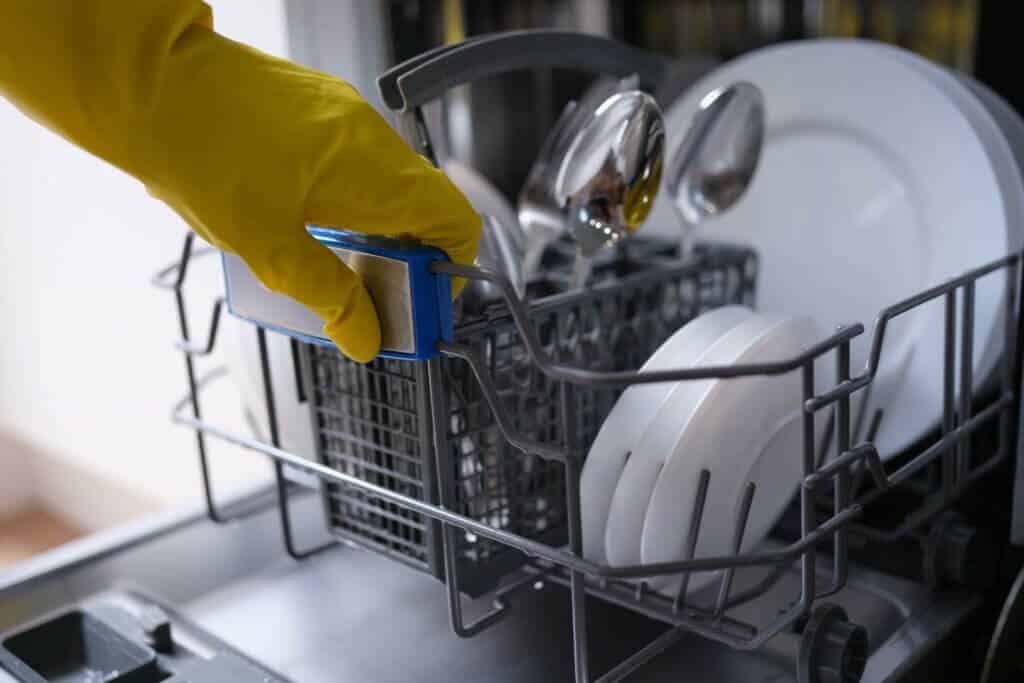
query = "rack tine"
x=841 y=487
x=172 y=277
x=876 y=424
x=777 y=572
x=826 y=439
x=858 y=425
x=446 y=495
x=737 y=543
x=963 y=460
x=863 y=469
x=807 y=380
x=281 y=484
x=206 y=349
x=1009 y=440
x=873 y=464
x=808 y=522
x=1010 y=359
x=948 y=390
x=691 y=536
x=178 y=269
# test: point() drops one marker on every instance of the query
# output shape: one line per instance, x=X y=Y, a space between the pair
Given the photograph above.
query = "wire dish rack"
x=467 y=466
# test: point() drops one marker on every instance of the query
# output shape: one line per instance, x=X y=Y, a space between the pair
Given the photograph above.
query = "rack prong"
x=691 y=536
x=206 y=349
x=842 y=479
x=963 y=451
x=737 y=544
x=948 y=471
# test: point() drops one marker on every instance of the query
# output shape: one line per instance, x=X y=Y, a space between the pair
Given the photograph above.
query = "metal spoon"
x=716 y=161
x=541 y=215
x=502 y=241
x=542 y=219
x=610 y=174
x=501 y=249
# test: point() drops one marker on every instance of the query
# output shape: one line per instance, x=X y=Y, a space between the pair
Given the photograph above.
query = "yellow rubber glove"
x=247 y=148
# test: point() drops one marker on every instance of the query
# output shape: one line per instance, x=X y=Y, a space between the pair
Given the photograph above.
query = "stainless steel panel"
x=349 y=615
x=386 y=279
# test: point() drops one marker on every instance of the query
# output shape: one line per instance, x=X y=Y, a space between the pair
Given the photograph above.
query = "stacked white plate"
x=632 y=415
x=882 y=175
x=641 y=477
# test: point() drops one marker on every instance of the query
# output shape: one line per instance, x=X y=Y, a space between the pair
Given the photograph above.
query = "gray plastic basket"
x=373 y=421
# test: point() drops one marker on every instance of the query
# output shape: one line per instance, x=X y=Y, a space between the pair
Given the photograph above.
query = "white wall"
x=15 y=478
x=87 y=369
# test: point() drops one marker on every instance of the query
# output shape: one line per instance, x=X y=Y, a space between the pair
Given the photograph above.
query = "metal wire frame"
x=619 y=585
x=173 y=278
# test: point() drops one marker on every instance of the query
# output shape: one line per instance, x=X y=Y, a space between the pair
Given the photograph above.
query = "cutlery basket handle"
x=423 y=78
x=413 y=301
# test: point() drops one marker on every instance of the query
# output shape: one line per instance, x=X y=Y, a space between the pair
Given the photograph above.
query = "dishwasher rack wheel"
x=832 y=649
x=958 y=553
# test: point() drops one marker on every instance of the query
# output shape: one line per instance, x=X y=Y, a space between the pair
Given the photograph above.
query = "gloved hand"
x=247 y=148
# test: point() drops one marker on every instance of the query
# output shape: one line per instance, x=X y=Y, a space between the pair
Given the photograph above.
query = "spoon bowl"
x=542 y=216
x=611 y=173
x=717 y=159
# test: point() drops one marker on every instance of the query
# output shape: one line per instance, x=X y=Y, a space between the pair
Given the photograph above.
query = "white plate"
x=628 y=419
x=740 y=430
x=971 y=100
x=1008 y=119
x=872 y=186
x=640 y=472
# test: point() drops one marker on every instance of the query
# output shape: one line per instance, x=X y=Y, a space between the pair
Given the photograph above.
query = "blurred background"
x=88 y=372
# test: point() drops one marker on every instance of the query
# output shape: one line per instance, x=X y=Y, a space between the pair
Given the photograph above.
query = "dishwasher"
x=434 y=531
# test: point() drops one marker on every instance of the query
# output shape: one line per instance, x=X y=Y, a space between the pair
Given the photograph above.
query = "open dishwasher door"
x=230 y=597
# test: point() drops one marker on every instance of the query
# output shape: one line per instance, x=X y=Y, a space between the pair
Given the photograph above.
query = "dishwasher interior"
x=431 y=532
